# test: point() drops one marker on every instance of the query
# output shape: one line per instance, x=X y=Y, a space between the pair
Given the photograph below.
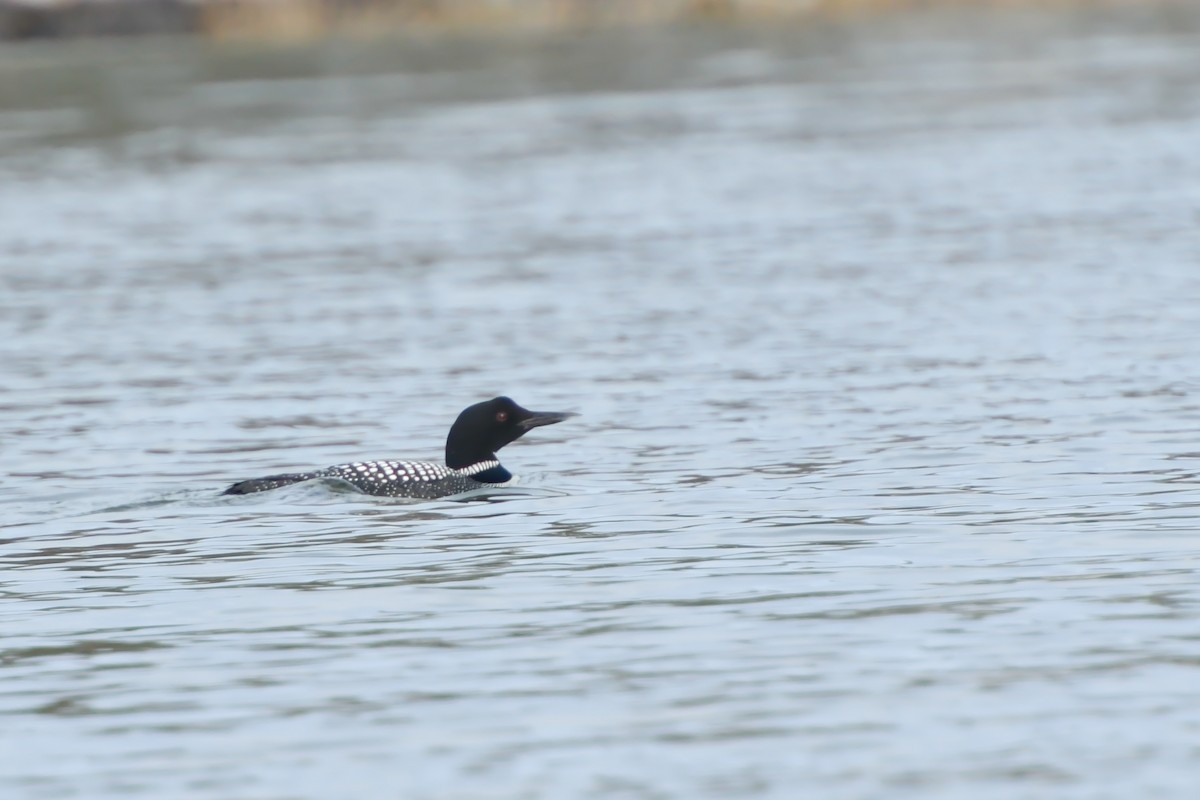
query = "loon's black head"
x=484 y=428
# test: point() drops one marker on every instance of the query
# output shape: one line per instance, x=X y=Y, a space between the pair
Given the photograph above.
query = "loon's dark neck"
x=487 y=469
x=496 y=474
x=459 y=457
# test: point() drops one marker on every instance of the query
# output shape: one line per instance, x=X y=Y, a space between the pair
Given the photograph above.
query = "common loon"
x=471 y=462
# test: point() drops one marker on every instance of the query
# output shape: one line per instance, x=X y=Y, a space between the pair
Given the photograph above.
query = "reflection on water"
x=886 y=479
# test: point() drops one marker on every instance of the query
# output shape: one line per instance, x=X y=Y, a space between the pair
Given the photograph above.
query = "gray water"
x=884 y=339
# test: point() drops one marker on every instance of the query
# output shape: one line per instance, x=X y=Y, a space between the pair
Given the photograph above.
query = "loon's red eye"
x=501 y=416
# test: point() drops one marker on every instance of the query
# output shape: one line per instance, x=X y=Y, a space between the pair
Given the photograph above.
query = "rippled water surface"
x=884 y=338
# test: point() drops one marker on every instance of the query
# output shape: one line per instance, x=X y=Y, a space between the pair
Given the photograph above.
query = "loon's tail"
x=269 y=482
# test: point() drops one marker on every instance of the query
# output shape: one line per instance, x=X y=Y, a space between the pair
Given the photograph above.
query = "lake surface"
x=884 y=337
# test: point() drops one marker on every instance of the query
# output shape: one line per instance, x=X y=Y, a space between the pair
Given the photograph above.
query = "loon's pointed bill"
x=470 y=464
x=537 y=419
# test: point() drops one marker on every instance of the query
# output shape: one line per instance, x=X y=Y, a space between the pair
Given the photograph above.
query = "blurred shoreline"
x=307 y=20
